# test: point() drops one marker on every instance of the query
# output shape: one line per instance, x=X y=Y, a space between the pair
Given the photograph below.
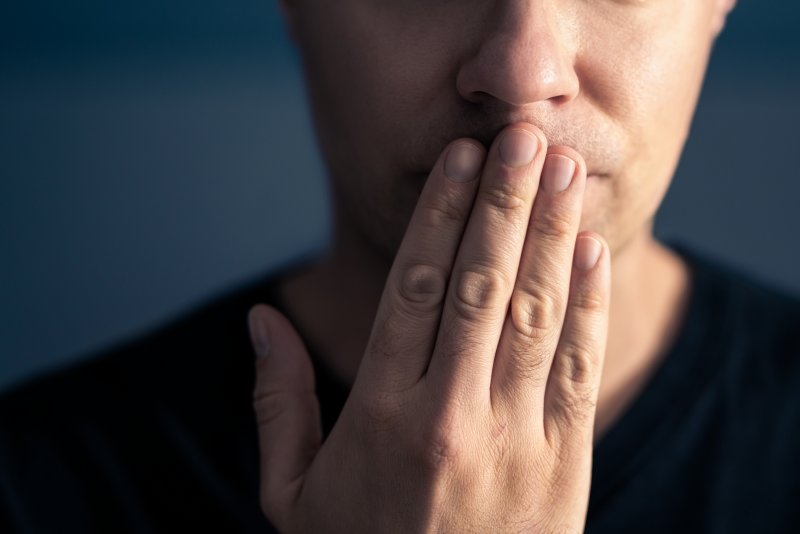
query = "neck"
x=648 y=298
x=649 y=295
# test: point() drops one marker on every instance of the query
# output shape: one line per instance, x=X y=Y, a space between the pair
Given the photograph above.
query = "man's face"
x=394 y=81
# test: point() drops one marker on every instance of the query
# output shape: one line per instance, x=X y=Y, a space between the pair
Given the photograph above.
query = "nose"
x=526 y=56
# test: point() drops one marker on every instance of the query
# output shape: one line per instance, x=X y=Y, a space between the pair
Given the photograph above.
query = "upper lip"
x=590 y=137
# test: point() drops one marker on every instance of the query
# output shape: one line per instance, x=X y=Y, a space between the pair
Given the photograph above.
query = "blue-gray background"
x=154 y=154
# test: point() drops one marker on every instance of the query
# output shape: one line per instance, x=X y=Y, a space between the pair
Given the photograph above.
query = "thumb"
x=287 y=411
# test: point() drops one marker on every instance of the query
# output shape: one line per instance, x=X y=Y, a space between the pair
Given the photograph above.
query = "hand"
x=474 y=404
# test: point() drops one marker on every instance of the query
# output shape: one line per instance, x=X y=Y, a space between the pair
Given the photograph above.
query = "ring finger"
x=539 y=299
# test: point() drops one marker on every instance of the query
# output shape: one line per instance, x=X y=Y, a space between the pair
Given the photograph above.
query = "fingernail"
x=463 y=162
x=518 y=147
x=557 y=173
x=587 y=252
x=258 y=333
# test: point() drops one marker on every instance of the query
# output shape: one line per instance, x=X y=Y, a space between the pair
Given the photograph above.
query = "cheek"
x=372 y=75
x=648 y=78
x=373 y=101
x=668 y=87
x=647 y=82
x=373 y=98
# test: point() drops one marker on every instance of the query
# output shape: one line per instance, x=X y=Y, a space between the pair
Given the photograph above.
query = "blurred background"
x=155 y=154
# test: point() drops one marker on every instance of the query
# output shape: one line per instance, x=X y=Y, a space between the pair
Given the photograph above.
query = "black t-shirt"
x=159 y=436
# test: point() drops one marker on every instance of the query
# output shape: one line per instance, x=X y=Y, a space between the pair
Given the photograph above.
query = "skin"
x=474 y=341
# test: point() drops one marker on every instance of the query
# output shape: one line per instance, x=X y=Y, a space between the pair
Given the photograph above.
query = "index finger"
x=407 y=320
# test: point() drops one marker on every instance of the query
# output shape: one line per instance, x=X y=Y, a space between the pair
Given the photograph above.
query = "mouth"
x=421 y=177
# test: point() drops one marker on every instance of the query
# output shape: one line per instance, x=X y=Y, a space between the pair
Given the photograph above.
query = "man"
x=478 y=368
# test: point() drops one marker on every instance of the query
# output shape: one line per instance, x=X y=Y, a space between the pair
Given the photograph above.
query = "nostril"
x=524 y=59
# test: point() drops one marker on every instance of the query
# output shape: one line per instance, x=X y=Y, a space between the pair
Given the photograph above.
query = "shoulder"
x=195 y=341
x=752 y=309
x=136 y=426
x=138 y=367
x=754 y=325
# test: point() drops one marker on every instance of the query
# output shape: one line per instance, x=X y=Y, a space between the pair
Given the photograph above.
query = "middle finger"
x=486 y=266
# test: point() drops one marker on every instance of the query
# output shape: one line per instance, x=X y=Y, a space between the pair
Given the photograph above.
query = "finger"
x=574 y=381
x=539 y=299
x=486 y=265
x=287 y=411
x=408 y=316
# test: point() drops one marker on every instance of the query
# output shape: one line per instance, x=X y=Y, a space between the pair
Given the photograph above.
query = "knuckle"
x=477 y=290
x=553 y=223
x=534 y=314
x=573 y=405
x=504 y=196
x=422 y=286
x=578 y=406
x=382 y=412
x=445 y=210
x=528 y=366
x=439 y=447
x=269 y=405
x=581 y=364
